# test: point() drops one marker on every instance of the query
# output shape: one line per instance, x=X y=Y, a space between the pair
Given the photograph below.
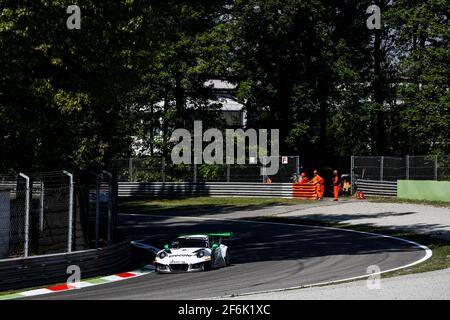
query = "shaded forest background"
x=311 y=68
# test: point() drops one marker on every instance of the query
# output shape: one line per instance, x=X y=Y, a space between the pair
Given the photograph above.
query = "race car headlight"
x=162 y=255
x=200 y=254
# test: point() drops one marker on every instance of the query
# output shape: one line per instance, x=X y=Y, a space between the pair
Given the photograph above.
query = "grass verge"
x=201 y=203
x=441 y=204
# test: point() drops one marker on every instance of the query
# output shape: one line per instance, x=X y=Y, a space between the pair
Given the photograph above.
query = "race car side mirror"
x=166 y=248
x=214 y=246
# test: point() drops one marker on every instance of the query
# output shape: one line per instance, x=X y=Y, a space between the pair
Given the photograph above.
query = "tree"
x=423 y=51
x=62 y=91
x=192 y=47
x=137 y=69
x=281 y=51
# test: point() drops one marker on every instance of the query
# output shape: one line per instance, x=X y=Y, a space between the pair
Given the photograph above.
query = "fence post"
x=70 y=227
x=195 y=172
x=352 y=175
x=109 y=206
x=97 y=210
x=407 y=167
x=27 y=214
x=130 y=170
x=381 y=168
x=228 y=172
x=41 y=209
x=297 y=167
x=435 y=167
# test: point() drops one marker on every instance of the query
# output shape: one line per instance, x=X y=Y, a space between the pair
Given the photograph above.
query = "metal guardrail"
x=12 y=187
x=180 y=189
x=43 y=270
x=377 y=188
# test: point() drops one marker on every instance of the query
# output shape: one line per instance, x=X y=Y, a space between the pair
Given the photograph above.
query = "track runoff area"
x=266 y=257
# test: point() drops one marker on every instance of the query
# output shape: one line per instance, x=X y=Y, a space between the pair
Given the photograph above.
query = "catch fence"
x=56 y=212
x=379 y=175
x=401 y=168
x=158 y=169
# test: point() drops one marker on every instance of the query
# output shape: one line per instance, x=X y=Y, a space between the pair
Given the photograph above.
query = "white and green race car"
x=191 y=253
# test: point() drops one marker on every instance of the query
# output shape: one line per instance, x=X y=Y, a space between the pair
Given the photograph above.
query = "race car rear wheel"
x=227 y=259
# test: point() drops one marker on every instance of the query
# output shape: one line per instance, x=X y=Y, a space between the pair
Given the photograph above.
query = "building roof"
x=220 y=84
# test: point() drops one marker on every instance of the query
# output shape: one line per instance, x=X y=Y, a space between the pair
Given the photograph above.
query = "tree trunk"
x=378 y=95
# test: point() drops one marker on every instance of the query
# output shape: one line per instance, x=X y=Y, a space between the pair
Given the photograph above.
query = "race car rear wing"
x=220 y=234
x=223 y=234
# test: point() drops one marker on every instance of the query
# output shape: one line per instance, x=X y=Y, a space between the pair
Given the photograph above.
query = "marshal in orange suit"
x=304 y=178
x=336 y=185
x=320 y=184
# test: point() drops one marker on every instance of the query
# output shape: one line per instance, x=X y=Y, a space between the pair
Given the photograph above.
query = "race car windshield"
x=189 y=243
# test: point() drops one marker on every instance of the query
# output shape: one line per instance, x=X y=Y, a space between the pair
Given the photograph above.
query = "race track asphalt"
x=264 y=257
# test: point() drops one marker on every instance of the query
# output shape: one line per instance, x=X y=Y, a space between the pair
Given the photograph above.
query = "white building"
x=232 y=110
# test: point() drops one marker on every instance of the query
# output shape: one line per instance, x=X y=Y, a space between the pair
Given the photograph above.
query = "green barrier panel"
x=423 y=190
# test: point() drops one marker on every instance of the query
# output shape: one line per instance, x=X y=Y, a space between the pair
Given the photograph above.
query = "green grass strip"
x=439 y=204
x=149 y=206
x=11 y=296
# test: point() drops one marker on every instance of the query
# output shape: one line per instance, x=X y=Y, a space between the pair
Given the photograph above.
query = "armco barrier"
x=377 y=188
x=181 y=189
x=304 y=191
x=42 y=270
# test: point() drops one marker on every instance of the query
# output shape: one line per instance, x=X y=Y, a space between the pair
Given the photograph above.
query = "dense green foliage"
x=311 y=68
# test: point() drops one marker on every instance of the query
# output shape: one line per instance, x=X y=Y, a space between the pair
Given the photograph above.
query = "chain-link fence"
x=401 y=168
x=56 y=212
x=157 y=169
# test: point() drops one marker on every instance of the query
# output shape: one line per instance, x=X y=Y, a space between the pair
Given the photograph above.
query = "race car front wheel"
x=207 y=266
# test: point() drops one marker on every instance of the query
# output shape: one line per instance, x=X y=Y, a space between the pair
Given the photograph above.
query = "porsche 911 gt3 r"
x=191 y=253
